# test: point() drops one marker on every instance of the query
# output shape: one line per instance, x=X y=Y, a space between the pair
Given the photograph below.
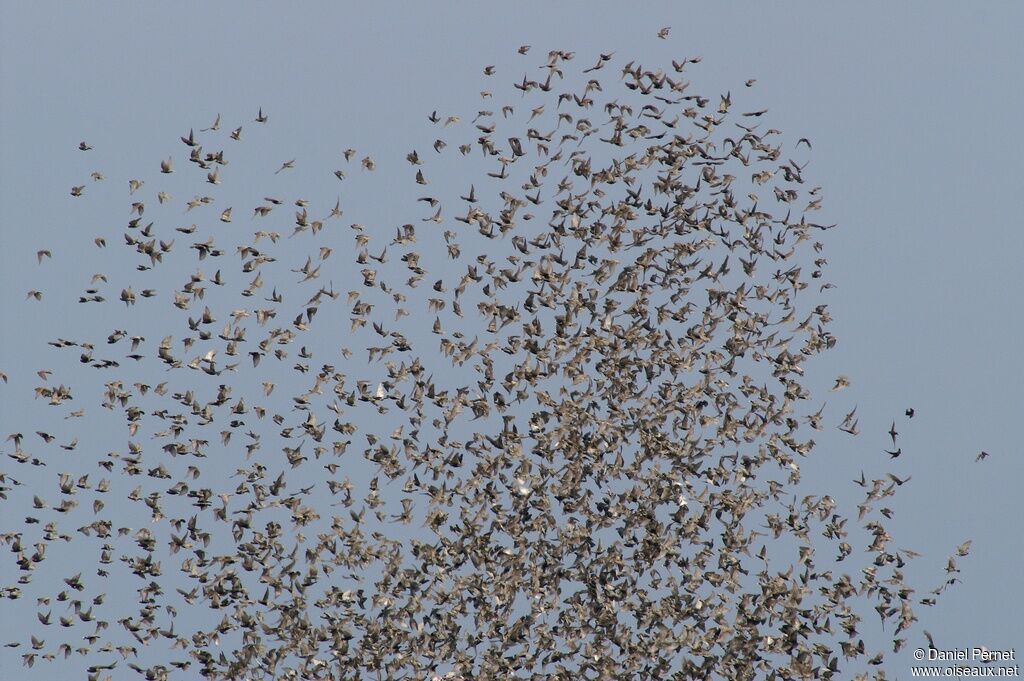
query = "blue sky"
x=913 y=112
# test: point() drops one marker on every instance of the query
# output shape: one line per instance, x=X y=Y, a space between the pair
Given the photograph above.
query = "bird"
x=214 y=126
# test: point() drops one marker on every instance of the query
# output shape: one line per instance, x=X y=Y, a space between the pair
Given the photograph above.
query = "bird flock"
x=548 y=425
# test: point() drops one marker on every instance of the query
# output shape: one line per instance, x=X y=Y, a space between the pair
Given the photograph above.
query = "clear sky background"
x=913 y=110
